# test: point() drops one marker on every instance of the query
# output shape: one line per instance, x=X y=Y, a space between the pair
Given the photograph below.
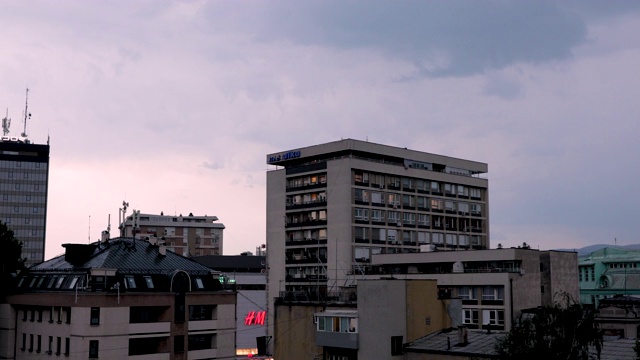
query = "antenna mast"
x=6 y=123
x=27 y=115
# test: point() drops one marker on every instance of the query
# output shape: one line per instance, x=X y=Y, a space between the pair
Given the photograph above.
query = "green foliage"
x=562 y=331
x=11 y=260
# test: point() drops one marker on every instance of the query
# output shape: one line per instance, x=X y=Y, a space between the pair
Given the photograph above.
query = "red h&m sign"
x=255 y=318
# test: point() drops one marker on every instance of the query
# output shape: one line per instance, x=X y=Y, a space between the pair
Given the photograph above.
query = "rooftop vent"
x=76 y=254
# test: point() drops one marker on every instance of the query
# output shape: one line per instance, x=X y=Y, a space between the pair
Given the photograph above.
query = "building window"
x=95 y=316
x=67 y=345
x=50 y=351
x=492 y=293
x=93 y=348
x=58 y=345
x=201 y=342
x=30 y=342
x=149 y=282
x=202 y=312
x=470 y=316
x=178 y=344
x=493 y=317
x=199 y=283
x=39 y=344
x=24 y=342
x=129 y=282
x=467 y=293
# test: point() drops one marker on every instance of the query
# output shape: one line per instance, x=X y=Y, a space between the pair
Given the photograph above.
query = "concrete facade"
x=185 y=235
x=388 y=313
x=494 y=285
x=331 y=207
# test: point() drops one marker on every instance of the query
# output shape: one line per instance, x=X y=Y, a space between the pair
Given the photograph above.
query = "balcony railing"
x=314 y=294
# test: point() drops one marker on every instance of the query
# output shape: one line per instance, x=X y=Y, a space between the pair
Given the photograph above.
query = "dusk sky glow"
x=174 y=105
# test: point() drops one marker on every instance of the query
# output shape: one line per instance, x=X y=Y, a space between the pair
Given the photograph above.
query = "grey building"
x=331 y=207
x=24 y=178
x=247 y=275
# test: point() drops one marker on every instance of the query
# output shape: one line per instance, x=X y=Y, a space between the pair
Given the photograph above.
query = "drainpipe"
x=511 y=301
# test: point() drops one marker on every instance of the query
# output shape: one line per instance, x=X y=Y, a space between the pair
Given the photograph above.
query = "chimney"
x=105 y=236
x=463 y=338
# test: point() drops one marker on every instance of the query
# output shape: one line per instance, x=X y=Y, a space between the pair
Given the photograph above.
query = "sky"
x=173 y=106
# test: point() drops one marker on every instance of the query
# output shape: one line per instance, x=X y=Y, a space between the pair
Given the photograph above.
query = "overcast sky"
x=173 y=105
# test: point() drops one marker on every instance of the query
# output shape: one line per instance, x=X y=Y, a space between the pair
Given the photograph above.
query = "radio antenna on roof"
x=6 y=124
x=27 y=114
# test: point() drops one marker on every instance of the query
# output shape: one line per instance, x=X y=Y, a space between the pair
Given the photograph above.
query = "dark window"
x=178 y=344
x=39 y=344
x=396 y=345
x=40 y=315
x=143 y=346
x=145 y=314
x=24 y=342
x=93 y=348
x=542 y=289
x=201 y=342
x=50 y=345
x=60 y=315
x=30 y=342
x=179 y=308
x=24 y=315
x=201 y=312
x=67 y=311
x=67 y=345
x=51 y=315
x=33 y=315
x=58 y=345
x=95 y=316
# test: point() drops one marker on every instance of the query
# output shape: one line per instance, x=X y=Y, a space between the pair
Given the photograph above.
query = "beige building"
x=387 y=314
x=185 y=235
x=332 y=207
x=493 y=285
x=122 y=298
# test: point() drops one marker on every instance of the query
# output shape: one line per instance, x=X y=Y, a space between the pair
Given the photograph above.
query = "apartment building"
x=185 y=235
x=331 y=207
x=24 y=178
x=120 y=298
x=495 y=286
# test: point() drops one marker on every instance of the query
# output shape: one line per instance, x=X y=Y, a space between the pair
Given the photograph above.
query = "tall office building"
x=24 y=175
x=331 y=206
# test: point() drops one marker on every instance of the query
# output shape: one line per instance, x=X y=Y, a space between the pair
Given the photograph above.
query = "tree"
x=563 y=331
x=11 y=260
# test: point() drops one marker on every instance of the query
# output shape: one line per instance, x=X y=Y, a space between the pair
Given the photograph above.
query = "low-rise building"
x=121 y=298
x=608 y=272
x=185 y=235
x=373 y=323
x=245 y=274
x=494 y=285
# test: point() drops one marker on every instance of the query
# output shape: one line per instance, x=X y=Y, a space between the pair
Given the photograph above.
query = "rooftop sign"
x=284 y=156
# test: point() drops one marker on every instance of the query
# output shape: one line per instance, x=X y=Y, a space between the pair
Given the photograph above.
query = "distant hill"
x=591 y=248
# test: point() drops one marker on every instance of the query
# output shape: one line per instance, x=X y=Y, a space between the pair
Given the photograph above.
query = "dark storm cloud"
x=441 y=38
